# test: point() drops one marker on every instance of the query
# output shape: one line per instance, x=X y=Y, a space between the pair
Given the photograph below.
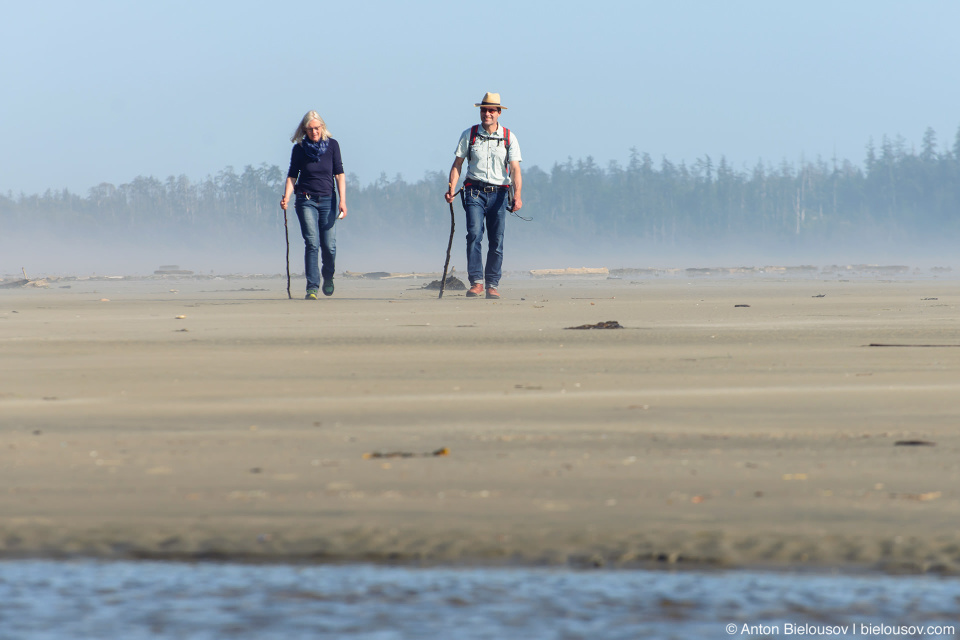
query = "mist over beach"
x=896 y=209
x=260 y=254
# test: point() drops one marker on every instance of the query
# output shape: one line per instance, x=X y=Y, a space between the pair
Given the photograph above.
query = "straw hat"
x=490 y=100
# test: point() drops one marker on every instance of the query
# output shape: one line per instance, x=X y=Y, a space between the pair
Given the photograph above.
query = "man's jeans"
x=490 y=208
x=317 y=220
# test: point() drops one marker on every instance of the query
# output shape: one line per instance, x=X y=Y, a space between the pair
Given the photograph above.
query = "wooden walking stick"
x=446 y=263
x=286 y=235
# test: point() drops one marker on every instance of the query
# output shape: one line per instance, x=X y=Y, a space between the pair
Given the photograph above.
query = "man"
x=493 y=168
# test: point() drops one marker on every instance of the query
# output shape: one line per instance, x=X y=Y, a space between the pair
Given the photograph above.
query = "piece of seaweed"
x=608 y=324
x=453 y=284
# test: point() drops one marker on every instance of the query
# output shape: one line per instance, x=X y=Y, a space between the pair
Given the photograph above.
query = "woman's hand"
x=287 y=192
x=343 y=211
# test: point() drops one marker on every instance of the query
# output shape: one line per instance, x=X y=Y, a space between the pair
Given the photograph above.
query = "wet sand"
x=704 y=432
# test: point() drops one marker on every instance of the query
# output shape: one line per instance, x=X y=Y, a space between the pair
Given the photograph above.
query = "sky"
x=103 y=91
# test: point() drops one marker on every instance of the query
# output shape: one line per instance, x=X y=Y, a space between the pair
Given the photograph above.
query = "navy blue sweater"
x=315 y=178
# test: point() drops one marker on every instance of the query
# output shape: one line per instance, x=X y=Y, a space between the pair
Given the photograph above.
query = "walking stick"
x=286 y=235
x=446 y=263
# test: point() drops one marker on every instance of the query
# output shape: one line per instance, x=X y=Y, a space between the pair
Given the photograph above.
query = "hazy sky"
x=105 y=91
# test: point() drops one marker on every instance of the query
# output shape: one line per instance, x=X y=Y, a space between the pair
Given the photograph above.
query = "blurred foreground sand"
x=702 y=433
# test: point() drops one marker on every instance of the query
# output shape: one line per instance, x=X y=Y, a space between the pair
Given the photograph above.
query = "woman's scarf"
x=315 y=149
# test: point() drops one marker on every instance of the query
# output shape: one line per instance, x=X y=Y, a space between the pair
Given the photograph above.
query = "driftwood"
x=385 y=275
x=572 y=271
x=38 y=283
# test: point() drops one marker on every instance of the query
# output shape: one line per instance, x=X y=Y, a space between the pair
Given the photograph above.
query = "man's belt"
x=484 y=186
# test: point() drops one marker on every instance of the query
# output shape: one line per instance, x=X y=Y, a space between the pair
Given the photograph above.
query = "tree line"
x=897 y=193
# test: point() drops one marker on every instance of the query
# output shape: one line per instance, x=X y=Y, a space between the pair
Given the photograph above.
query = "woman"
x=315 y=165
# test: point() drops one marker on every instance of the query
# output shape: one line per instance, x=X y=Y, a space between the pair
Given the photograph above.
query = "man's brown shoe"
x=493 y=293
x=475 y=290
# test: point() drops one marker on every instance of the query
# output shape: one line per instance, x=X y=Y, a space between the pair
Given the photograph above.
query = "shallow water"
x=41 y=600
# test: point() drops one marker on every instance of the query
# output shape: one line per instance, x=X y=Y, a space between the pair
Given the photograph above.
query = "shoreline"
x=734 y=423
x=575 y=274
x=774 y=554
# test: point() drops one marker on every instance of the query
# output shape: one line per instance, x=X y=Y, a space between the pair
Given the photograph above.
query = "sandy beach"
x=734 y=421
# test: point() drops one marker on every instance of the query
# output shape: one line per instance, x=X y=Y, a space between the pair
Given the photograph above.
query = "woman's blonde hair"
x=301 y=130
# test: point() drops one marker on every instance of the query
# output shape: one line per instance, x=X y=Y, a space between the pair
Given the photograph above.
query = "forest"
x=897 y=193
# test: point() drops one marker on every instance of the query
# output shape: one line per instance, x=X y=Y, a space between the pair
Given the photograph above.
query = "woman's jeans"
x=317 y=220
x=488 y=207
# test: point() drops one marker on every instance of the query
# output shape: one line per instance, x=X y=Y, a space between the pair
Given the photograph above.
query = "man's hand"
x=452 y=182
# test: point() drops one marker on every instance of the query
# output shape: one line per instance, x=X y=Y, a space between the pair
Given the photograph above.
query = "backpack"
x=474 y=130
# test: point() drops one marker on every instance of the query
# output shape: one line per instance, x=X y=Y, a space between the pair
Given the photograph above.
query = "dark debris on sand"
x=442 y=451
x=609 y=324
x=453 y=284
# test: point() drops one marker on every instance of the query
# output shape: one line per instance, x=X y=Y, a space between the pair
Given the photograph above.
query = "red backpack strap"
x=473 y=138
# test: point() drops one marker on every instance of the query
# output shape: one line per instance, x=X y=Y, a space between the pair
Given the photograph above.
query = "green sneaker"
x=328 y=287
x=311 y=294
